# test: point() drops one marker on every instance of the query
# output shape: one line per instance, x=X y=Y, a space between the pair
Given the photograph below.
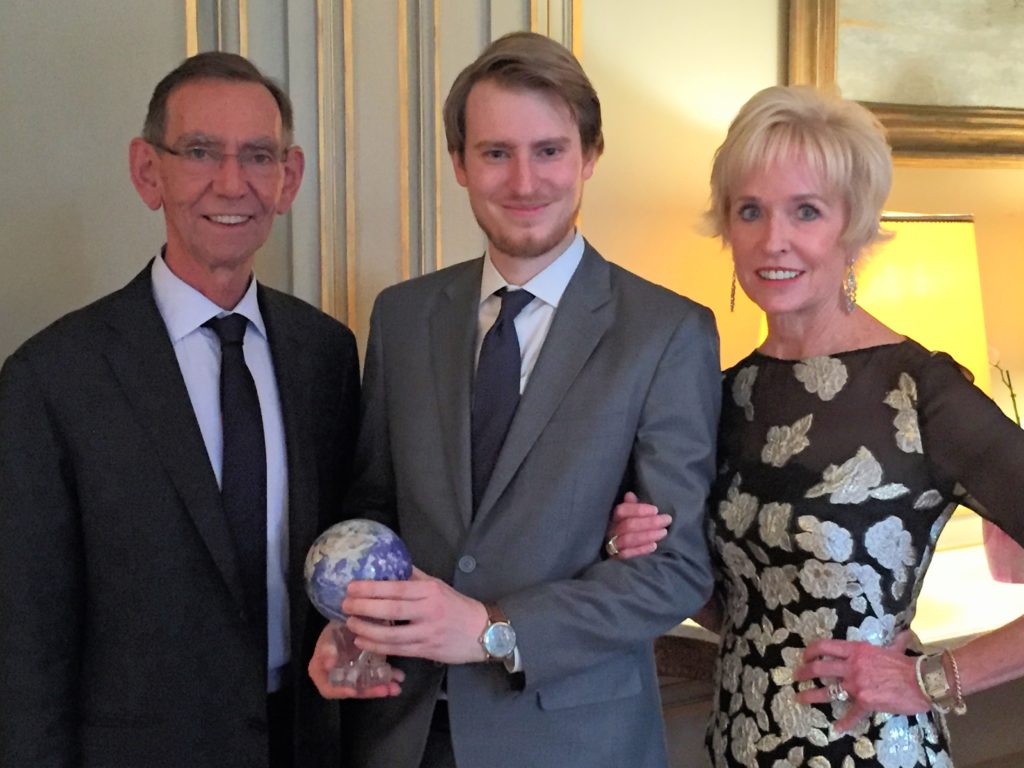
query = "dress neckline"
x=843 y=353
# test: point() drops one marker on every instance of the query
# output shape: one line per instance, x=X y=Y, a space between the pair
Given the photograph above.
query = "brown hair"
x=529 y=61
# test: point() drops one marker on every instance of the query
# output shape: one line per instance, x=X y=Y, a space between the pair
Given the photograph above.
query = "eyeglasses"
x=206 y=159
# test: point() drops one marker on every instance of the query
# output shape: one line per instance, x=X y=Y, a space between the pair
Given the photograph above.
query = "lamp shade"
x=924 y=283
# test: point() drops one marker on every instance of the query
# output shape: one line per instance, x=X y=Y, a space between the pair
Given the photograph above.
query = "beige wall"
x=671 y=76
x=73 y=92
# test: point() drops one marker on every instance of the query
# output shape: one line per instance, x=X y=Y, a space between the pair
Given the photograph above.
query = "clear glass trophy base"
x=355 y=668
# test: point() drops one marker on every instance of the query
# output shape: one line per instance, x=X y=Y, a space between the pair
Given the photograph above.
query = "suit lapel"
x=584 y=315
x=452 y=336
x=143 y=361
x=289 y=351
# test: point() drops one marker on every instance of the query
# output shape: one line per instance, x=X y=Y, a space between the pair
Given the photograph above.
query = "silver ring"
x=610 y=548
x=836 y=692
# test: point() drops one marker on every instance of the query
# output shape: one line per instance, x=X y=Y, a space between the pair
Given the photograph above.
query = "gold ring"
x=610 y=548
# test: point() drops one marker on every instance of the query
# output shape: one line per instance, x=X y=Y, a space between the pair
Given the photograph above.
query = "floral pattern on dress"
x=892 y=546
x=927 y=500
x=821 y=376
x=785 y=441
x=856 y=480
x=824 y=539
x=773 y=524
x=738 y=510
x=824 y=519
x=904 y=400
x=742 y=386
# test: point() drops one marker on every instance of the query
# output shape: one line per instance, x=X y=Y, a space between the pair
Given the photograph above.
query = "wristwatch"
x=498 y=638
x=934 y=682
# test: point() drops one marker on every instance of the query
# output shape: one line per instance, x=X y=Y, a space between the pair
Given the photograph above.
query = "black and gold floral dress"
x=836 y=475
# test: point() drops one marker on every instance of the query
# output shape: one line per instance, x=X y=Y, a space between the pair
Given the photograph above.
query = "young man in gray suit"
x=152 y=610
x=517 y=641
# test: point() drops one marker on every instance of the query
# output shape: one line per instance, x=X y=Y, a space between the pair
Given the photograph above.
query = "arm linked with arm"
x=615 y=604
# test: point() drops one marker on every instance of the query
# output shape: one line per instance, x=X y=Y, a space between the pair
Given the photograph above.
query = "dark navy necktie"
x=496 y=393
x=244 y=468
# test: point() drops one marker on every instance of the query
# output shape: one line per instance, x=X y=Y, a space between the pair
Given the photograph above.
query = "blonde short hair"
x=840 y=140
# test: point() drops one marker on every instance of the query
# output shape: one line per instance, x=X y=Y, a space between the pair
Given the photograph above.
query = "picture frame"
x=917 y=133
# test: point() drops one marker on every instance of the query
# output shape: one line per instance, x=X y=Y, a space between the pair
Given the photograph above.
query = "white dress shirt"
x=184 y=310
x=534 y=321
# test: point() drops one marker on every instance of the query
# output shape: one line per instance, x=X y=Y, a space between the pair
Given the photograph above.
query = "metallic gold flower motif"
x=812 y=625
x=856 y=480
x=794 y=759
x=764 y=635
x=927 y=500
x=743 y=737
x=864 y=584
x=798 y=721
x=742 y=389
x=824 y=539
x=824 y=376
x=893 y=547
x=940 y=523
x=875 y=630
x=823 y=580
x=904 y=400
x=777 y=587
x=737 y=509
x=900 y=744
x=755 y=685
x=773 y=525
x=864 y=748
x=784 y=442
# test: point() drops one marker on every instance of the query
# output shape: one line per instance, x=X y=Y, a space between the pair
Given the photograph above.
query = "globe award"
x=355 y=549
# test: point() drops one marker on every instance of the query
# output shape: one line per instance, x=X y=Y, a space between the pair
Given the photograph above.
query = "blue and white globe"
x=355 y=549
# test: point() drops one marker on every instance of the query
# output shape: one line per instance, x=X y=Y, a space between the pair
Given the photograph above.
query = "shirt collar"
x=548 y=285
x=184 y=309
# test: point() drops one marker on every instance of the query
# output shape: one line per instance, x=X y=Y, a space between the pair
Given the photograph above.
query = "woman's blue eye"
x=748 y=212
x=807 y=212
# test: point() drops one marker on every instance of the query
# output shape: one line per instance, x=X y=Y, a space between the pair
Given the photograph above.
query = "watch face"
x=936 y=684
x=500 y=640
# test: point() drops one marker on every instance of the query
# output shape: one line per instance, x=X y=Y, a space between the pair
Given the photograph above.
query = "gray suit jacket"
x=624 y=395
x=122 y=636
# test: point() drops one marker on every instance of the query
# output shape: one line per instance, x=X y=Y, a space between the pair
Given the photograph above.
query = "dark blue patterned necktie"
x=244 y=468
x=496 y=393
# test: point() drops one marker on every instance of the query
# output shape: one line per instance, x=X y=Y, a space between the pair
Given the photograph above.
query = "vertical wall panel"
x=389 y=203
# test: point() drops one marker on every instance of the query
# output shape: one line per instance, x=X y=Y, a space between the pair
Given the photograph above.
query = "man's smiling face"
x=218 y=214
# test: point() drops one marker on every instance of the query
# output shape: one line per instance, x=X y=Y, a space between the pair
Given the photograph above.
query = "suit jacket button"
x=467 y=563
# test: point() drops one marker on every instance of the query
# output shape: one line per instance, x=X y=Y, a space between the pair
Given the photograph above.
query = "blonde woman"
x=843 y=449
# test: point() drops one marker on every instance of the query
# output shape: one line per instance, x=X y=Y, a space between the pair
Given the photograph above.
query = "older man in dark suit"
x=167 y=454
x=509 y=401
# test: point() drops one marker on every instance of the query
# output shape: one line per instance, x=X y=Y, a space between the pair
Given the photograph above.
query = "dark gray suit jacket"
x=624 y=395
x=122 y=636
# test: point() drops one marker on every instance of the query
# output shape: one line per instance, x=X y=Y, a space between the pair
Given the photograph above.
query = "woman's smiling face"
x=784 y=226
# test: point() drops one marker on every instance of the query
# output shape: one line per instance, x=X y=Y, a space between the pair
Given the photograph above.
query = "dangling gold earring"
x=850 y=289
x=732 y=293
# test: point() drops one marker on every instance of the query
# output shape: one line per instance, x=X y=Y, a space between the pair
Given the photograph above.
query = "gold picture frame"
x=988 y=135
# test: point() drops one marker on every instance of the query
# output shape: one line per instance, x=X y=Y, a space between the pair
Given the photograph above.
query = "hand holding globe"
x=355 y=549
